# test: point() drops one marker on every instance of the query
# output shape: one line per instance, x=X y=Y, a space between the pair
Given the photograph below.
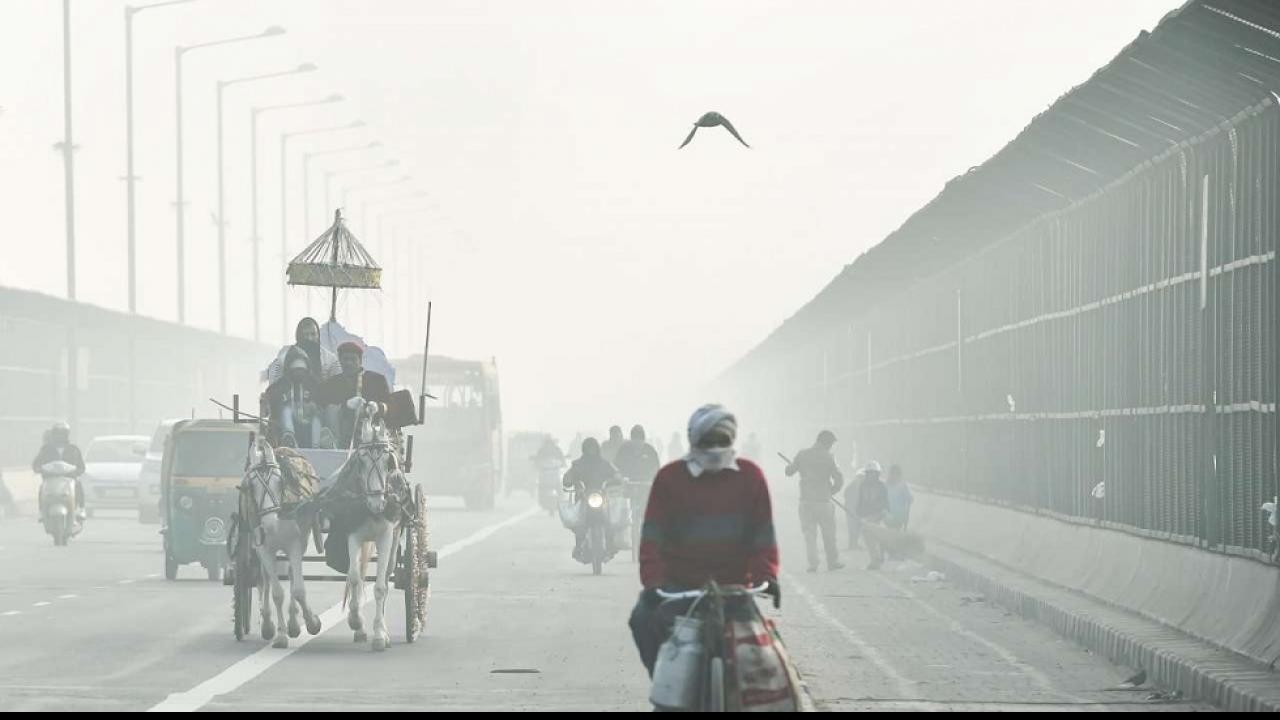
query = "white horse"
x=374 y=473
x=278 y=529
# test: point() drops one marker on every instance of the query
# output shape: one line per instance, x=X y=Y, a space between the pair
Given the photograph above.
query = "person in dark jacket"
x=589 y=473
x=873 y=507
x=338 y=393
x=709 y=518
x=819 y=480
x=58 y=446
x=294 y=412
x=637 y=463
x=322 y=362
x=610 y=447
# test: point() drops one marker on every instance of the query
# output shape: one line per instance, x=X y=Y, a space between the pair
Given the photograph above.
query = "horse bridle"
x=259 y=476
x=375 y=481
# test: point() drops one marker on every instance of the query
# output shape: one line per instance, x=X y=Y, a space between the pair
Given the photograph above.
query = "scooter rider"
x=58 y=446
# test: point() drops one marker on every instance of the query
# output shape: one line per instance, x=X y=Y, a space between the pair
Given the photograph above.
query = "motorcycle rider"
x=637 y=460
x=589 y=473
x=709 y=517
x=611 y=446
x=549 y=453
x=638 y=463
x=548 y=460
x=58 y=446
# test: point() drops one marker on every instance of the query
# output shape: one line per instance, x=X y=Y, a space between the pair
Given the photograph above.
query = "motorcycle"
x=600 y=512
x=59 y=515
x=548 y=486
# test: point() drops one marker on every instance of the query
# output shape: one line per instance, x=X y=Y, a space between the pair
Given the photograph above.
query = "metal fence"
x=1091 y=313
x=108 y=372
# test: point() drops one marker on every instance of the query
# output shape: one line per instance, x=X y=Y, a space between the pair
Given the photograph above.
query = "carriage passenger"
x=293 y=405
x=339 y=393
x=322 y=361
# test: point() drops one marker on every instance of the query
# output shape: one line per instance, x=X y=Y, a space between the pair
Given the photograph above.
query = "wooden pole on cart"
x=333 y=304
x=426 y=349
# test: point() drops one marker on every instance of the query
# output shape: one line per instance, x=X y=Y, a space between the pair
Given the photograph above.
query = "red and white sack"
x=761 y=674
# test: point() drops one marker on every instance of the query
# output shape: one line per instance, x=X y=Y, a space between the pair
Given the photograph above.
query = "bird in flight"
x=712 y=119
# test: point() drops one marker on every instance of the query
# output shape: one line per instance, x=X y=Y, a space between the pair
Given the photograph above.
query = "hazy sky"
x=610 y=274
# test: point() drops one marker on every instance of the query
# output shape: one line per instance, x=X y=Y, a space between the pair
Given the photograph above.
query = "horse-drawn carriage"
x=359 y=501
x=356 y=504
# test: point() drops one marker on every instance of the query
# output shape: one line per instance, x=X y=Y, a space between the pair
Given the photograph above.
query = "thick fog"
x=561 y=231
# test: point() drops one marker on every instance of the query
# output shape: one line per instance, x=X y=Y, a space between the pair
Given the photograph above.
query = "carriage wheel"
x=414 y=564
x=242 y=588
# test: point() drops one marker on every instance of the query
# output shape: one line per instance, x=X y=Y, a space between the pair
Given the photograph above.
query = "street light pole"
x=330 y=174
x=364 y=206
x=400 y=269
x=130 y=177
x=178 y=53
x=222 y=221
x=376 y=241
x=256 y=239
x=68 y=153
x=284 y=208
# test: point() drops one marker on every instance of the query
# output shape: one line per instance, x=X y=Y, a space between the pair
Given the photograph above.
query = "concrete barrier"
x=1228 y=601
x=23 y=486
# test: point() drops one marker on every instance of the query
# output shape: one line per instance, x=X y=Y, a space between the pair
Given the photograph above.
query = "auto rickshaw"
x=199 y=479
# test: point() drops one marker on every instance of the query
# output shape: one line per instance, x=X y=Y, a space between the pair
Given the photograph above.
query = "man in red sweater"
x=709 y=517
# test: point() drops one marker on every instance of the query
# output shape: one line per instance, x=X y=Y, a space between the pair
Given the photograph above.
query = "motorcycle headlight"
x=595 y=501
x=185 y=502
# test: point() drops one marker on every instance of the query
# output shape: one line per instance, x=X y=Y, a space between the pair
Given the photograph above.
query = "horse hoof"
x=361 y=636
x=313 y=626
x=280 y=642
x=268 y=631
x=379 y=644
x=294 y=629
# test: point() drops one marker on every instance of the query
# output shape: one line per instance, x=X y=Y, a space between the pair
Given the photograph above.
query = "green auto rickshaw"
x=203 y=465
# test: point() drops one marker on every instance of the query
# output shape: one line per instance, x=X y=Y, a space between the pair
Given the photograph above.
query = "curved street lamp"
x=222 y=218
x=179 y=53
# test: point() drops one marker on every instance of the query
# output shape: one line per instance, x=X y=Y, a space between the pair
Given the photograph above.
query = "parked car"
x=149 y=478
x=112 y=464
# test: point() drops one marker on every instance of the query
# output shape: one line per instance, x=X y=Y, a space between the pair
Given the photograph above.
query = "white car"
x=149 y=478
x=111 y=467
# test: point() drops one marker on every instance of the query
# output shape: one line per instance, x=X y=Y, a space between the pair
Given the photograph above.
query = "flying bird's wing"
x=729 y=126
x=688 y=139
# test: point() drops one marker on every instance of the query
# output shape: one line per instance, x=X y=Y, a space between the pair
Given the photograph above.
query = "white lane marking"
x=67 y=597
x=153 y=576
x=254 y=665
x=99 y=587
x=1032 y=673
x=42 y=603
x=12 y=612
x=125 y=582
x=903 y=686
